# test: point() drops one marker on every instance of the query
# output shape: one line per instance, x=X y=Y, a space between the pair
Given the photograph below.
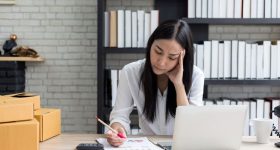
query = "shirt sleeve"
x=124 y=102
x=196 y=91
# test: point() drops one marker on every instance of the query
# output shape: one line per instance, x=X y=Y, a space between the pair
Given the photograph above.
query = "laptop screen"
x=216 y=126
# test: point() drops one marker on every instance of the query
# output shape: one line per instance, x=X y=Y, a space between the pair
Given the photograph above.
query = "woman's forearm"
x=182 y=99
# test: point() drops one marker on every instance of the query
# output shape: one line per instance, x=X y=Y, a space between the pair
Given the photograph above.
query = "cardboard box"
x=49 y=122
x=23 y=135
x=22 y=98
x=16 y=112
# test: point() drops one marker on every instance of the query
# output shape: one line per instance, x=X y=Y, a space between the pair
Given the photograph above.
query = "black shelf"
x=233 y=21
x=132 y=50
x=241 y=82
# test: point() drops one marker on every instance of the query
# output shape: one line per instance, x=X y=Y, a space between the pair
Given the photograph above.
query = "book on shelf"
x=267 y=109
x=154 y=20
x=234 y=56
x=246 y=132
x=274 y=8
x=230 y=8
x=140 y=28
x=106 y=29
x=216 y=8
x=273 y=61
x=237 y=8
x=221 y=60
x=248 y=51
x=254 y=60
x=195 y=54
x=200 y=56
x=254 y=8
x=147 y=28
x=128 y=30
x=111 y=84
x=246 y=8
x=198 y=8
x=210 y=9
x=241 y=60
x=114 y=84
x=278 y=10
x=260 y=107
x=227 y=59
x=260 y=62
x=120 y=26
x=253 y=114
x=233 y=101
x=113 y=28
x=204 y=9
x=223 y=7
x=266 y=59
x=278 y=56
x=214 y=58
x=267 y=8
x=260 y=9
x=134 y=29
x=191 y=9
x=207 y=59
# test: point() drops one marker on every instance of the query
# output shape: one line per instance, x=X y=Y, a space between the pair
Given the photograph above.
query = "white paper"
x=140 y=143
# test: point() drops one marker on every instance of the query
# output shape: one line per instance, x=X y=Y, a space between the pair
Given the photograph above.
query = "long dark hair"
x=177 y=30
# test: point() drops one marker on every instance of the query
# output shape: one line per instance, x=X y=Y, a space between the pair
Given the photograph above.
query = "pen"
x=106 y=125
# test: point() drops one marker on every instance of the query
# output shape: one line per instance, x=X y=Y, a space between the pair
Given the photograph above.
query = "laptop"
x=215 y=127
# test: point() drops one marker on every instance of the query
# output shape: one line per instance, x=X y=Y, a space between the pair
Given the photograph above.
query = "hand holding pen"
x=106 y=125
x=116 y=136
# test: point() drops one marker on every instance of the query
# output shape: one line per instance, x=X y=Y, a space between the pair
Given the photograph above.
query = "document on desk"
x=139 y=143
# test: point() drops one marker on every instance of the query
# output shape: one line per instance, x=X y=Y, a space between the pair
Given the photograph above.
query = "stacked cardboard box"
x=49 y=122
x=23 y=123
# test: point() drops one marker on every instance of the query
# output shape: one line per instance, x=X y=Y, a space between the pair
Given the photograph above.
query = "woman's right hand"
x=113 y=138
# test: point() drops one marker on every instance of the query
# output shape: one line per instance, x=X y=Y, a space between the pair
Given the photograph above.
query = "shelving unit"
x=199 y=27
x=12 y=79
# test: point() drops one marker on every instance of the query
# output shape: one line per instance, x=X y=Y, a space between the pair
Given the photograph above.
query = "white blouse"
x=131 y=94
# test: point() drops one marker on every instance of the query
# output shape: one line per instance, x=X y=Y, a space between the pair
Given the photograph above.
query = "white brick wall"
x=64 y=32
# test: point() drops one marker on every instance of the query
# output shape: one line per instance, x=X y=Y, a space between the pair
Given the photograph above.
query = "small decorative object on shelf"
x=10 y=44
x=11 y=49
x=24 y=51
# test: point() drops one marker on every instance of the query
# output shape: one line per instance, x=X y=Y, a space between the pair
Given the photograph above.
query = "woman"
x=167 y=78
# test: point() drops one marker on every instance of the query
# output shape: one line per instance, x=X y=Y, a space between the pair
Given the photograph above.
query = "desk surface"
x=70 y=141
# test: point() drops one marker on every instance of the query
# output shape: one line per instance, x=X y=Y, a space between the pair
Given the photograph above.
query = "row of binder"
x=126 y=28
x=233 y=9
x=238 y=59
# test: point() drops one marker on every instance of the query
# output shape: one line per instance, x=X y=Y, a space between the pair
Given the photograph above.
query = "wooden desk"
x=70 y=141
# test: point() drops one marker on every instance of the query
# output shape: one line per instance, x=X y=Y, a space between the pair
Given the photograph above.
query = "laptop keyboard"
x=167 y=147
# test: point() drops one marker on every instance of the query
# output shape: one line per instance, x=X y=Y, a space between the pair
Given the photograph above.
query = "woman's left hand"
x=176 y=74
